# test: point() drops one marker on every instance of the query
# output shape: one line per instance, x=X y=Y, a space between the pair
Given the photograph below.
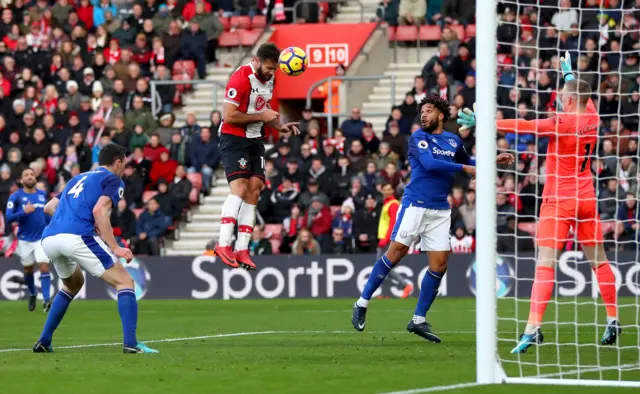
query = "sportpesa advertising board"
x=328 y=277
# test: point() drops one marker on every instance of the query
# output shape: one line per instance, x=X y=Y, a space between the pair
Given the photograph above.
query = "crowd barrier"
x=203 y=277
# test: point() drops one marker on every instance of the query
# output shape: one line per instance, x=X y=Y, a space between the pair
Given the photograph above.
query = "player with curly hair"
x=435 y=156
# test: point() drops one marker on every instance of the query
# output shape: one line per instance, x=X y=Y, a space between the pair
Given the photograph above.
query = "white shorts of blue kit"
x=430 y=225
x=67 y=251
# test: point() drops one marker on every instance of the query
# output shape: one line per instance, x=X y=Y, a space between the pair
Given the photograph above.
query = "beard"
x=261 y=75
x=29 y=185
x=429 y=128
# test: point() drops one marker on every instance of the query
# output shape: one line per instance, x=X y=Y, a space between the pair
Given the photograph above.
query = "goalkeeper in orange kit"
x=569 y=200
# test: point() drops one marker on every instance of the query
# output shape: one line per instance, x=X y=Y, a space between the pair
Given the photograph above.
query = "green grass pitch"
x=309 y=347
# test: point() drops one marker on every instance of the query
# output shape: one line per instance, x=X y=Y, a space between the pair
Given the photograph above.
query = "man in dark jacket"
x=352 y=127
x=337 y=244
x=204 y=157
x=152 y=225
x=283 y=198
x=193 y=46
x=165 y=201
x=123 y=221
x=365 y=226
x=179 y=190
x=511 y=238
x=134 y=186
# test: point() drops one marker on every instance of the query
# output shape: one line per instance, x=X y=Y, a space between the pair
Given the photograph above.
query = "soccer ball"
x=293 y=61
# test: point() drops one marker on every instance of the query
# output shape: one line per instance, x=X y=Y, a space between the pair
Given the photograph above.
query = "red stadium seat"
x=429 y=33
x=249 y=37
x=138 y=212
x=470 y=31
x=459 y=30
x=275 y=245
x=529 y=227
x=225 y=23
x=391 y=31
x=240 y=22
x=194 y=196
x=184 y=67
x=148 y=195
x=406 y=33
x=259 y=22
x=229 y=39
x=274 y=231
x=182 y=77
x=195 y=179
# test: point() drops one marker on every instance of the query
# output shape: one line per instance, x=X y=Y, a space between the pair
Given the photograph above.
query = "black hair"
x=110 y=153
x=441 y=105
x=268 y=51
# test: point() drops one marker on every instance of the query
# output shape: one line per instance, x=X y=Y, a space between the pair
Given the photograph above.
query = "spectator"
x=204 y=157
x=337 y=244
x=457 y=12
x=332 y=106
x=395 y=140
x=391 y=175
x=608 y=200
x=83 y=152
x=319 y=173
x=370 y=178
x=105 y=139
x=165 y=131
x=628 y=222
x=305 y=244
x=357 y=156
x=154 y=149
x=344 y=219
x=212 y=27
x=162 y=168
x=318 y=218
x=193 y=46
x=565 y=17
x=461 y=242
x=365 y=226
x=504 y=209
x=165 y=201
x=180 y=190
x=313 y=190
x=134 y=185
x=291 y=226
x=283 y=198
x=412 y=12
x=120 y=134
x=352 y=127
x=369 y=140
x=468 y=211
x=139 y=116
x=123 y=221
x=461 y=64
x=151 y=227
x=141 y=164
x=191 y=128
x=178 y=149
x=512 y=240
x=259 y=246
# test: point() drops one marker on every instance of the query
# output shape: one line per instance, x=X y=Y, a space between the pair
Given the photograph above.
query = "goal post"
x=575 y=318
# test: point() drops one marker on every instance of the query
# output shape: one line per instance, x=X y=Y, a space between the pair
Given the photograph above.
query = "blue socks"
x=378 y=274
x=58 y=309
x=128 y=309
x=45 y=282
x=428 y=292
x=28 y=278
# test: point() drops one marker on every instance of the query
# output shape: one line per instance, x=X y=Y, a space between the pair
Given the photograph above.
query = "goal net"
x=602 y=39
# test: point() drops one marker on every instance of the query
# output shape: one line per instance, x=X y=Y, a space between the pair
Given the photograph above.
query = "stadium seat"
x=184 y=67
x=459 y=30
x=240 y=22
x=182 y=77
x=225 y=23
x=275 y=245
x=249 y=37
x=274 y=231
x=148 y=195
x=229 y=39
x=138 y=212
x=194 y=196
x=529 y=227
x=391 y=31
x=195 y=179
x=259 y=22
x=429 y=33
x=470 y=31
x=406 y=33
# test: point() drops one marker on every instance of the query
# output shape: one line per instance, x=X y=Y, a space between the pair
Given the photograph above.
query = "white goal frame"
x=488 y=367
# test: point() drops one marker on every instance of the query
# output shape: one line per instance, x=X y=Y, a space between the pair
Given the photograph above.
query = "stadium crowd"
x=75 y=76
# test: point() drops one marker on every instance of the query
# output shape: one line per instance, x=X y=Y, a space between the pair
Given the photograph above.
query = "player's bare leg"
x=31 y=287
x=45 y=285
x=230 y=210
x=118 y=277
x=246 y=222
x=380 y=270
x=428 y=292
x=70 y=287
x=541 y=292
x=607 y=283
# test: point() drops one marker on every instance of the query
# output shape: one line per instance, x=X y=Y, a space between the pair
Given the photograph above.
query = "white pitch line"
x=435 y=389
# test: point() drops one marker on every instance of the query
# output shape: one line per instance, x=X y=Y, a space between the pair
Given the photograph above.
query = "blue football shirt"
x=434 y=160
x=74 y=214
x=30 y=226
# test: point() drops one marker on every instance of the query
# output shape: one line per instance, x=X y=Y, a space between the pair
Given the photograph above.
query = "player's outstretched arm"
x=231 y=114
x=51 y=206
x=420 y=150
x=102 y=215
x=467 y=119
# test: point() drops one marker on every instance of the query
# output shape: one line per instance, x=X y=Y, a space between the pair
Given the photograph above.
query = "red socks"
x=541 y=294
x=607 y=285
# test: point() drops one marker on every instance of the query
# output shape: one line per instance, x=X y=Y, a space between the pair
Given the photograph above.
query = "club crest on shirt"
x=423 y=145
x=41 y=198
x=453 y=142
x=243 y=163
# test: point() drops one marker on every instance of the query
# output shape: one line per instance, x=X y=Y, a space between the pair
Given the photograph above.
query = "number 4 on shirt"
x=77 y=188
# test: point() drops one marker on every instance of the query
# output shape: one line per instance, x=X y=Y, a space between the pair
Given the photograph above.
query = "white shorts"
x=31 y=253
x=66 y=251
x=430 y=225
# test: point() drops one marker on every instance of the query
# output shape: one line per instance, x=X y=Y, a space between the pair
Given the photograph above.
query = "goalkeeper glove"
x=467 y=118
x=565 y=65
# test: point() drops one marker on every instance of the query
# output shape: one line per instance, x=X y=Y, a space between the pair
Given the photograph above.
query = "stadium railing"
x=294 y=8
x=354 y=78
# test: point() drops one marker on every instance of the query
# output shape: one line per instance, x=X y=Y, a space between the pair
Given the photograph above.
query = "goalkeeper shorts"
x=557 y=218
